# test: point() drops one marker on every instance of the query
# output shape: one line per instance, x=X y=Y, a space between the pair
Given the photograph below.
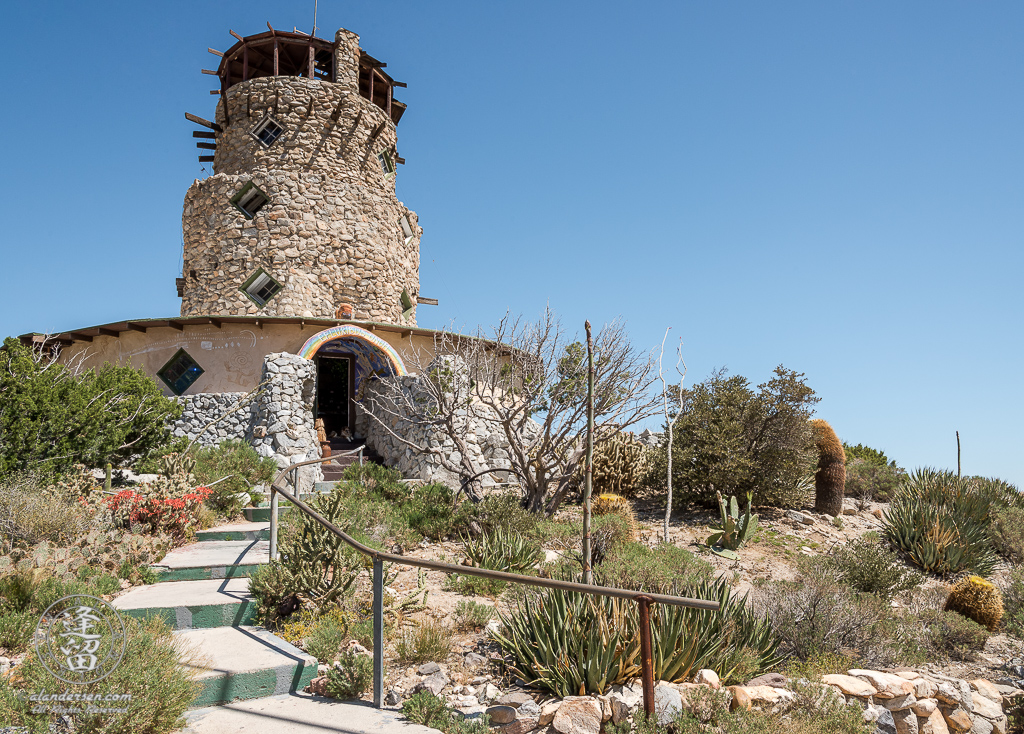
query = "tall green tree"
x=733 y=438
x=53 y=417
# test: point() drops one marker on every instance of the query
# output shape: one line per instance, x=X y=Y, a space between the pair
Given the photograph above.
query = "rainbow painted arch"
x=313 y=344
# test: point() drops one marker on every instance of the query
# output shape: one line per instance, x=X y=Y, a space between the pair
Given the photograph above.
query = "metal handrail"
x=643 y=599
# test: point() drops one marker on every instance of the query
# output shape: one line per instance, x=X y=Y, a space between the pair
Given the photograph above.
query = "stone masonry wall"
x=278 y=423
x=331 y=234
x=483 y=436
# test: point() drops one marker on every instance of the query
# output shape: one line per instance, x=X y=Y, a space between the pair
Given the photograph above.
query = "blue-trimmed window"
x=180 y=372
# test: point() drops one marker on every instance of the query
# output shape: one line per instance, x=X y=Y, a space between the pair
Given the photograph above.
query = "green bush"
x=16 y=630
x=380 y=481
x=569 y=643
x=326 y=638
x=1013 y=602
x=942 y=521
x=154 y=672
x=868 y=455
x=432 y=512
x=350 y=676
x=52 y=418
x=664 y=569
x=869 y=482
x=429 y=710
x=243 y=467
x=1007 y=533
x=954 y=636
x=469 y=615
x=501 y=510
x=31 y=512
x=427 y=641
x=865 y=564
x=273 y=588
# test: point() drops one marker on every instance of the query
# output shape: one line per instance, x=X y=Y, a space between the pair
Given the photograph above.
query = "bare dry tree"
x=527 y=382
x=670 y=420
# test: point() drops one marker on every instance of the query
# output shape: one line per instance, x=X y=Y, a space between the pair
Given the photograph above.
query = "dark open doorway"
x=335 y=384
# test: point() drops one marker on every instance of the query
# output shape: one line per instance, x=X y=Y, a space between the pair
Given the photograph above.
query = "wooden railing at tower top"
x=643 y=600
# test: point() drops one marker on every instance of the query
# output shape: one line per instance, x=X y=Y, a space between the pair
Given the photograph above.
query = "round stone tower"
x=300 y=218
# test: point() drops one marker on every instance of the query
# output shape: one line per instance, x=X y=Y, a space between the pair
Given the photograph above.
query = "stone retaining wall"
x=200 y=409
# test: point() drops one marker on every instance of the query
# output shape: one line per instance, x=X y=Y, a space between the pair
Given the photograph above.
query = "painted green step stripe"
x=255 y=684
x=262 y=514
x=199 y=617
x=263 y=534
x=198 y=573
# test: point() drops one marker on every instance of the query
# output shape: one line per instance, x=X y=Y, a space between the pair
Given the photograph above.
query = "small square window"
x=267 y=131
x=261 y=288
x=180 y=372
x=406 y=228
x=250 y=200
x=386 y=162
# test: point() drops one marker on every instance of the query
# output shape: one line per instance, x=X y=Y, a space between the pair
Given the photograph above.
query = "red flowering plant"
x=155 y=510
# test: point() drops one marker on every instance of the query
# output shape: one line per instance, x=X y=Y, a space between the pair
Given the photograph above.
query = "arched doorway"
x=345 y=356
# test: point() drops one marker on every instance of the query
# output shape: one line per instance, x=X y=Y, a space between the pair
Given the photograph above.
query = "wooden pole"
x=588 y=572
x=958 y=454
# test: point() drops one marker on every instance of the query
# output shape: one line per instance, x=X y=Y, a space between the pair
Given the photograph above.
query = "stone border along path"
x=251 y=679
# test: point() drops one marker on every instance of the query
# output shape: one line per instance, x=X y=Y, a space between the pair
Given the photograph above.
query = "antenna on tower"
x=314 y=18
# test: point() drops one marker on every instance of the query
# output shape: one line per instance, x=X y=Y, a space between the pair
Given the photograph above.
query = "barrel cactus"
x=613 y=504
x=977 y=599
x=619 y=465
x=830 y=479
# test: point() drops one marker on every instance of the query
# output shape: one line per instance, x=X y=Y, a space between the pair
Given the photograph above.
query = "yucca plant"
x=941 y=521
x=503 y=550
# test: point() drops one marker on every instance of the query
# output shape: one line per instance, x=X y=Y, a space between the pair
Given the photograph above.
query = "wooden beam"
x=206 y=159
x=311 y=64
x=235 y=35
x=205 y=123
x=399 y=159
x=376 y=131
x=216 y=322
x=245 y=62
x=214 y=91
x=207 y=146
x=176 y=325
x=135 y=327
x=201 y=134
x=403 y=85
x=426 y=301
x=207 y=71
x=79 y=336
x=108 y=332
x=215 y=52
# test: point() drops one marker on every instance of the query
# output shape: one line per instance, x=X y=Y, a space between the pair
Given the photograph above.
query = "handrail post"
x=273 y=523
x=646 y=657
x=360 y=456
x=378 y=632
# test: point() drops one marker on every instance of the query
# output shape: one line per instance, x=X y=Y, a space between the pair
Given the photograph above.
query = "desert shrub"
x=429 y=710
x=154 y=672
x=865 y=564
x=427 y=641
x=568 y=643
x=350 y=676
x=470 y=615
x=432 y=513
x=941 y=521
x=158 y=509
x=952 y=635
x=325 y=638
x=817 y=616
x=734 y=440
x=273 y=589
x=243 y=467
x=501 y=510
x=16 y=630
x=664 y=569
x=31 y=513
x=52 y=418
x=1013 y=602
x=869 y=482
x=381 y=481
x=1007 y=533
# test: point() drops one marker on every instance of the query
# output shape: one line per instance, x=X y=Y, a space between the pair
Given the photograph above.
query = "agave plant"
x=503 y=550
x=941 y=521
x=736 y=529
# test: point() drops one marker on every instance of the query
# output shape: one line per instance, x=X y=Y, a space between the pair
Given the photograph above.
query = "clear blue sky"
x=835 y=186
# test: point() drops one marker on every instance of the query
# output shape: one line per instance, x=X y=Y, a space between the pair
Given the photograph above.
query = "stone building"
x=300 y=265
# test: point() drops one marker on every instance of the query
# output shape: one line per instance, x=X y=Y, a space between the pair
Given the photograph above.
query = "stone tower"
x=300 y=218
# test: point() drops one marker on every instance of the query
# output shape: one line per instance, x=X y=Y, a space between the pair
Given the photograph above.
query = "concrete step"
x=262 y=514
x=237 y=531
x=213 y=559
x=244 y=663
x=192 y=604
x=299 y=713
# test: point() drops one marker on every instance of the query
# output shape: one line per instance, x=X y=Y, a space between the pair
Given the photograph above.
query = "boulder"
x=898 y=703
x=987 y=689
x=578 y=715
x=885 y=724
x=905 y=721
x=547 y=712
x=428 y=669
x=709 y=678
x=887 y=684
x=515 y=699
x=667 y=703
x=434 y=683
x=775 y=680
x=473 y=660
x=799 y=517
x=924 y=688
x=528 y=709
x=606 y=708
x=740 y=698
x=985 y=707
x=762 y=697
x=501 y=714
x=957 y=720
x=932 y=724
x=981 y=725
x=850 y=685
x=924 y=707
x=521 y=725
x=624 y=701
x=318 y=686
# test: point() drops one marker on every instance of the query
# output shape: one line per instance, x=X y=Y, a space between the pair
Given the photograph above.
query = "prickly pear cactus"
x=619 y=465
